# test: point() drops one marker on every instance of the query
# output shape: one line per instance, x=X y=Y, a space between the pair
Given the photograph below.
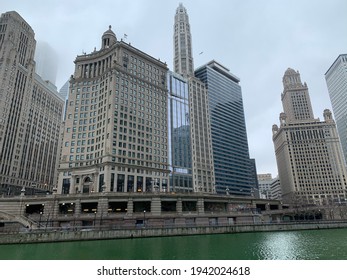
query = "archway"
x=87 y=185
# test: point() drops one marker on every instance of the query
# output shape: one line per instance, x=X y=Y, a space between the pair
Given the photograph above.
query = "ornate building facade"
x=308 y=151
x=116 y=132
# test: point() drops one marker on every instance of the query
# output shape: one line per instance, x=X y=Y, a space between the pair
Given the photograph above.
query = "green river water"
x=328 y=244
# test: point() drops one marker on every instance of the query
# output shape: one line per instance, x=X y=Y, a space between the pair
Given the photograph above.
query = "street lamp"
x=40 y=218
x=144 y=218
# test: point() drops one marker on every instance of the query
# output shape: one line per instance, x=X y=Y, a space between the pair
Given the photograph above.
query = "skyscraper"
x=183 y=57
x=265 y=181
x=31 y=113
x=200 y=130
x=232 y=165
x=46 y=62
x=308 y=152
x=64 y=92
x=195 y=116
x=116 y=132
x=336 y=79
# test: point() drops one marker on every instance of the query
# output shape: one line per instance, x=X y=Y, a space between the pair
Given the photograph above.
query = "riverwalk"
x=79 y=234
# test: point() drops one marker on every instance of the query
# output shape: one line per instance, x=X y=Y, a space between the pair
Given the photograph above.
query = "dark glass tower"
x=233 y=172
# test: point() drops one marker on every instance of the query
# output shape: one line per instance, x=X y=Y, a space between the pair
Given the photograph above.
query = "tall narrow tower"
x=183 y=57
x=295 y=97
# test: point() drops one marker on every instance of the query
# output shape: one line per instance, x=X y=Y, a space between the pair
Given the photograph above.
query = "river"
x=330 y=244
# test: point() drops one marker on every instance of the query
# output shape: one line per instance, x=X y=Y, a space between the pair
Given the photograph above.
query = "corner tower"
x=108 y=38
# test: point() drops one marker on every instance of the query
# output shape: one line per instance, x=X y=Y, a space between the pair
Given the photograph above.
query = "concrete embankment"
x=39 y=236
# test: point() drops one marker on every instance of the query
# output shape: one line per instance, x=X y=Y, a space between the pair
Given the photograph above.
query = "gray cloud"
x=256 y=40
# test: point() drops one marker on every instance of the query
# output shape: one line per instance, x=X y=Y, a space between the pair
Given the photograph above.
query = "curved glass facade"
x=228 y=130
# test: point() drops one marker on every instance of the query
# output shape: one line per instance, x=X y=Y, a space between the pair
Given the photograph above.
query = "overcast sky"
x=256 y=40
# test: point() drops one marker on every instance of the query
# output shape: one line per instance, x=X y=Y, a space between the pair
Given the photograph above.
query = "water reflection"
x=281 y=246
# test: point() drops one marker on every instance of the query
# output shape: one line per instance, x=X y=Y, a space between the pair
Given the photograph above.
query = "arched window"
x=87 y=180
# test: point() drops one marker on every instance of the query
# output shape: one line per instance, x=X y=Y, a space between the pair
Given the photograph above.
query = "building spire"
x=183 y=57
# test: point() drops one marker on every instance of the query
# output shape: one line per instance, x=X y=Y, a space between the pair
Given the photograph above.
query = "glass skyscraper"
x=180 y=156
x=232 y=164
x=336 y=79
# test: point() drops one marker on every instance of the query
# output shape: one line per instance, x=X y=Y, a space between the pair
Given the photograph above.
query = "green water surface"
x=328 y=244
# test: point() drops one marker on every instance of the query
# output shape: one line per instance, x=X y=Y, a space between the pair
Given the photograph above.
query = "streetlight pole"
x=144 y=218
x=40 y=219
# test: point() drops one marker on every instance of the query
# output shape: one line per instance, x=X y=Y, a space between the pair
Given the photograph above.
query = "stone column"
x=130 y=210
x=200 y=206
x=156 y=206
x=72 y=184
x=125 y=186
x=179 y=206
x=60 y=183
x=107 y=178
x=55 y=211
x=78 y=208
x=102 y=206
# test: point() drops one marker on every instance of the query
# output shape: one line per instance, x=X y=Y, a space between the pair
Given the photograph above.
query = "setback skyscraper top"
x=308 y=151
x=183 y=57
x=295 y=98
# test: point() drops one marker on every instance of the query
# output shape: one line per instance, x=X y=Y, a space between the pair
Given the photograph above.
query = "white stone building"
x=116 y=133
x=308 y=151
